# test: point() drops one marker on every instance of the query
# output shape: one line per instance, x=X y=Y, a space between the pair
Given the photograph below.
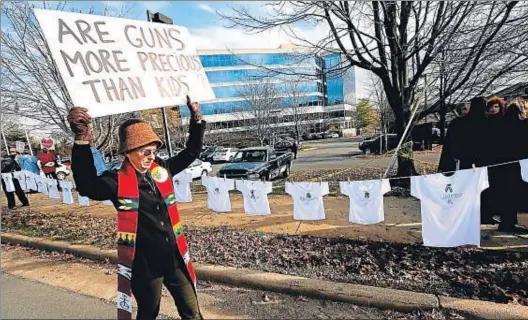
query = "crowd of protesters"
x=493 y=132
x=14 y=161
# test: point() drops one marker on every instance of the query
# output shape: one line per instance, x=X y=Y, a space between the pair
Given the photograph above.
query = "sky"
x=208 y=29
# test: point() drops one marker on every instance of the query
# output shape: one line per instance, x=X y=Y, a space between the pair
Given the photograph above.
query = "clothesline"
x=408 y=177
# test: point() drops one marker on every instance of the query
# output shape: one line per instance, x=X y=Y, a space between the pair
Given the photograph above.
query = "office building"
x=325 y=101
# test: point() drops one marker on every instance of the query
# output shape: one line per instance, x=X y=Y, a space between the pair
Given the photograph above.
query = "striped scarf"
x=127 y=217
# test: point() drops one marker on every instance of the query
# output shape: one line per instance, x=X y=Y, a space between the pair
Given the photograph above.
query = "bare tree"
x=31 y=86
x=400 y=41
x=295 y=90
x=260 y=101
x=379 y=100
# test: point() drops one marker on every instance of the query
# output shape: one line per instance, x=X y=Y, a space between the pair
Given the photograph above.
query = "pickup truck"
x=258 y=163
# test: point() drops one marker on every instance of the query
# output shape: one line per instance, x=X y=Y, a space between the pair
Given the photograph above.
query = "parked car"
x=372 y=144
x=208 y=153
x=199 y=168
x=258 y=163
x=61 y=171
x=163 y=154
x=225 y=155
x=314 y=136
x=286 y=145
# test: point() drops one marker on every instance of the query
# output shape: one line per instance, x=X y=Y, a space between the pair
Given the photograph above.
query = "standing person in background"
x=463 y=141
x=499 y=202
x=48 y=162
x=29 y=162
x=9 y=165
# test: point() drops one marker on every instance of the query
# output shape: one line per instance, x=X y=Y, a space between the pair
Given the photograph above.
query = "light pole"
x=160 y=18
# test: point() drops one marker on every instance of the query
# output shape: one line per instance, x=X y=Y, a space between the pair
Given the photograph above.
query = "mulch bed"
x=498 y=276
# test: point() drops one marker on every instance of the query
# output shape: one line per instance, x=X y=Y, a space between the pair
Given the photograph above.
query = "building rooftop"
x=283 y=48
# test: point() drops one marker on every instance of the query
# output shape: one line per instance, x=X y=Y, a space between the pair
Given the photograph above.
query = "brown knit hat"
x=134 y=134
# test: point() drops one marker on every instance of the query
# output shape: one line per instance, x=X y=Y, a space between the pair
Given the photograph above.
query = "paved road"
x=337 y=154
x=24 y=299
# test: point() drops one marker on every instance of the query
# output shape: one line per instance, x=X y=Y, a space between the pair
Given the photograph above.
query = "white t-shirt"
x=182 y=187
x=8 y=180
x=30 y=180
x=450 y=207
x=67 y=196
x=21 y=177
x=308 y=199
x=255 y=196
x=366 y=200
x=42 y=187
x=218 y=193
x=83 y=201
x=53 y=190
x=524 y=169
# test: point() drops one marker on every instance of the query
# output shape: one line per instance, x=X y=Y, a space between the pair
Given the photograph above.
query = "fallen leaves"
x=498 y=276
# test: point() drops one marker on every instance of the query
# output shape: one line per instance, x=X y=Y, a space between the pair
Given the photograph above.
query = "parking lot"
x=338 y=153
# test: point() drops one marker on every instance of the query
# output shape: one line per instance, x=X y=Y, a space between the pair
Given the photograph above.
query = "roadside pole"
x=5 y=141
x=29 y=142
x=158 y=17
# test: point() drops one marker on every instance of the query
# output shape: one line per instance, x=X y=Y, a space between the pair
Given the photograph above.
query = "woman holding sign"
x=152 y=249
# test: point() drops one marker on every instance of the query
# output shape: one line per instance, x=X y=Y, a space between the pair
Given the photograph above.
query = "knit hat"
x=134 y=134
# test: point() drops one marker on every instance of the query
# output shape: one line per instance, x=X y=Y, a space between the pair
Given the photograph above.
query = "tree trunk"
x=405 y=155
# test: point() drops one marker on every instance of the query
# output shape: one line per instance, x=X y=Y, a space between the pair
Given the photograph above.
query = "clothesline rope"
x=408 y=177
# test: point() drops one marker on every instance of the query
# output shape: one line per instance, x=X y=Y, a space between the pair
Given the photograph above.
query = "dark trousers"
x=148 y=295
x=11 y=195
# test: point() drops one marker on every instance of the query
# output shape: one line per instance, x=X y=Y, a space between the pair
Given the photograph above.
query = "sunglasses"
x=148 y=152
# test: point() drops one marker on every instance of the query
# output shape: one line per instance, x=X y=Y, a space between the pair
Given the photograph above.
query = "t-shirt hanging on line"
x=83 y=201
x=218 y=193
x=53 y=190
x=67 y=196
x=450 y=207
x=255 y=196
x=182 y=187
x=366 y=200
x=41 y=184
x=8 y=180
x=308 y=199
x=524 y=169
x=21 y=177
x=30 y=180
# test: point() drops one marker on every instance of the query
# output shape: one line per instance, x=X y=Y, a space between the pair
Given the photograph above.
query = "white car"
x=62 y=172
x=199 y=168
x=225 y=155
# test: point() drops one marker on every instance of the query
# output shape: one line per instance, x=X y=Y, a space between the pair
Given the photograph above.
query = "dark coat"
x=155 y=242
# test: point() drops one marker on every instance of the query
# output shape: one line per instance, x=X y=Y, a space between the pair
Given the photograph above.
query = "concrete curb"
x=382 y=298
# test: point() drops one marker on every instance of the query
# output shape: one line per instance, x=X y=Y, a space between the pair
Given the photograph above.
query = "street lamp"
x=161 y=18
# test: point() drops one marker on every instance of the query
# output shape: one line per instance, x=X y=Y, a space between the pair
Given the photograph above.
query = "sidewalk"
x=85 y=279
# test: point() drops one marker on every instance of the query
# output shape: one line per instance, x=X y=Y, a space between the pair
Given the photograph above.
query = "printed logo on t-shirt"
x=177 y=182
x=252 y=193
x=450 y=196
x=307 y=197
x=216 y=190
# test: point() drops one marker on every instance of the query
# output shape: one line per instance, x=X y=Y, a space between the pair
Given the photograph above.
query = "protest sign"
x=47 y=143
x=20 y=146
x=113 y=65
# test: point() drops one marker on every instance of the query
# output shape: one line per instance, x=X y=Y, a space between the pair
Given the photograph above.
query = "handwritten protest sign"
x=20 y=146
x=113 y=65
x=47 y=143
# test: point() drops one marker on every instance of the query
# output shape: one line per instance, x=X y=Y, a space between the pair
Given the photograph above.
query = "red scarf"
x=127 y=217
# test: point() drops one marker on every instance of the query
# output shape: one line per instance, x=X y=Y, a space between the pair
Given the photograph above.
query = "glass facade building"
x=231 y=72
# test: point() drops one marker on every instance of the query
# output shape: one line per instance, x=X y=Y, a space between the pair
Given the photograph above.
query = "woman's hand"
x=80 y=121
x=194 y=108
